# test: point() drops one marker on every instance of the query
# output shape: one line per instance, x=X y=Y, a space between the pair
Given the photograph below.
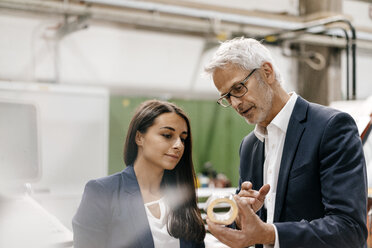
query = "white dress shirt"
x=274 y=137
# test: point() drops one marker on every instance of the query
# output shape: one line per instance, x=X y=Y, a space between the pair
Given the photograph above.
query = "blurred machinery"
x=23 y=221
x=53 y=139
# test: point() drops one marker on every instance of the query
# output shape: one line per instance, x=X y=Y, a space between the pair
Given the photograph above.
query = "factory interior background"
x=82 y=68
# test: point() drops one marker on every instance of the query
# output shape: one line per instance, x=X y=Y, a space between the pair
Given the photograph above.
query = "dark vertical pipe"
x=353 y=53
x=312 y=24
x=347 y=64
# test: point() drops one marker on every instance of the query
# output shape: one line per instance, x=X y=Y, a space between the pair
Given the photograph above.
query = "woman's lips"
x=173 y=156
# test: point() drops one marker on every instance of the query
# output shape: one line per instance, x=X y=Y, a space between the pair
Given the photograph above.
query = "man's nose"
x=235 y=102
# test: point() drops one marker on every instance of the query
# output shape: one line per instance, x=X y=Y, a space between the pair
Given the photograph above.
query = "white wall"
x=363 y=79
x=110 y=56
x=359 y=11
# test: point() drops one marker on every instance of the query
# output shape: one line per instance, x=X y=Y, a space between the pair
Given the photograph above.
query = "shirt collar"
x=281 y=120
x=260 y=132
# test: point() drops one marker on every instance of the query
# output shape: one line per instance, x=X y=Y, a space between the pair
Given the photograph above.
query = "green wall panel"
x=216 y=132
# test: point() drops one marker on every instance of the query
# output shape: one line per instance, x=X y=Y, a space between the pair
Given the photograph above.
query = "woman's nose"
x=178 y=144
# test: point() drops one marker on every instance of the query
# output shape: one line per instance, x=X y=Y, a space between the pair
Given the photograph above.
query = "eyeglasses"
x=238 y=90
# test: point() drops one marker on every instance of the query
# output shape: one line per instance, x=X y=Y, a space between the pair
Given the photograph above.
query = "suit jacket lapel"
x=294 y=133
x=257 y=164
x=259 y=148
x=132 y=199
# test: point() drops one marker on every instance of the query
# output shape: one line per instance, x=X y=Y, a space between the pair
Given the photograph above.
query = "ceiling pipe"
x=313 y=26
x=196 y=13
x=206 y=16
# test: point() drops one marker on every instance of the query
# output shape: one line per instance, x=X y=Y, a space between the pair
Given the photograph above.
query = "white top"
x=274 y=137
x=158 y=226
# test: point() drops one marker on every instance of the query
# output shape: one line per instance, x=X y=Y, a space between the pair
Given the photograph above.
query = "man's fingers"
x=264 y=190
x=224 y=234
x=248 y=193
x=253 y=197
x=244 y=208
x=213 y=227
x=246 y=185
x=249 y=200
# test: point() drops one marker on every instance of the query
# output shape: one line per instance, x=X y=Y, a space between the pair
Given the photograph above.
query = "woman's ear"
x=139 y=138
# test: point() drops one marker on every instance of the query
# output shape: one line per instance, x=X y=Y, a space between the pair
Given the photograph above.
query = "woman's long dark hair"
x=184 y=220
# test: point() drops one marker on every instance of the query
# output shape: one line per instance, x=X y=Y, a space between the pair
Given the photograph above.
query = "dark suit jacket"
x=322 y=186
x=112 y=215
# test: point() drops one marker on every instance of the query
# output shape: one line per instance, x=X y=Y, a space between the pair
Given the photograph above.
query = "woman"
x=151 y=203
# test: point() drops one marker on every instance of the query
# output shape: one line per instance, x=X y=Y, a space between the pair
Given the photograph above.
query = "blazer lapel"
x=294 y=133
x=133 y=201
x=258 y=162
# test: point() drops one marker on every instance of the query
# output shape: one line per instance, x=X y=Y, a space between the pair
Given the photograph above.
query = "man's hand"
x=253 y=229
x=254 y=198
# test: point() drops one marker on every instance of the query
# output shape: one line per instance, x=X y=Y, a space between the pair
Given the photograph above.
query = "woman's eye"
x=183 y=140
x=167 y=136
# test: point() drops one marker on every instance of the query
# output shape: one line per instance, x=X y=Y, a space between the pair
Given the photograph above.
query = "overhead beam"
x=190 y=20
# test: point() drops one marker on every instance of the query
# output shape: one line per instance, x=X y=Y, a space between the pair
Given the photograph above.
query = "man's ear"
x=139 y=138
x=268 y=72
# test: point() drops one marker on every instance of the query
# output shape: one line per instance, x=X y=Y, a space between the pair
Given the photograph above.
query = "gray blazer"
x=112 y=215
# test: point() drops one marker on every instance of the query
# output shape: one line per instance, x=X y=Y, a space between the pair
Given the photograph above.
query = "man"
x=302 y=169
